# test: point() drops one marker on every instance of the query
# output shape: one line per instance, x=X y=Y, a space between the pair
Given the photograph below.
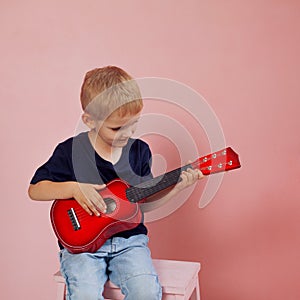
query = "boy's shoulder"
x=136 y=142
x=82 y=137
x=138 y=149
x=68 y=144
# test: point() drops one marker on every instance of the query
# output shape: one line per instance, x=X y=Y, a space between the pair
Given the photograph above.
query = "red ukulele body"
x=79 y=232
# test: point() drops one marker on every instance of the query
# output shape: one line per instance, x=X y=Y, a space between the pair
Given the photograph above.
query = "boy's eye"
x=123 y=127
x=116 y=128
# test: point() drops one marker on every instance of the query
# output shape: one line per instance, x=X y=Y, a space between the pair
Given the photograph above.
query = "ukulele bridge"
x=74 y=219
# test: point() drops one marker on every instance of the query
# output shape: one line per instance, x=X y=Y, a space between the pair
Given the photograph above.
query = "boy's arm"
x=46 y=190
x=188 y=178
x=85 y=194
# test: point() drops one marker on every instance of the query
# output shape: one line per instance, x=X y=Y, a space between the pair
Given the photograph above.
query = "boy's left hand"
x=188 y=178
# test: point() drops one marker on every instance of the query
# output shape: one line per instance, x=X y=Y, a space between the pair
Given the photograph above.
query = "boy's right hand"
x=88 y=197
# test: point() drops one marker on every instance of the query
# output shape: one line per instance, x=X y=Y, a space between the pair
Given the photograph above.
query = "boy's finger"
x=98 y=203
x=86 y=208
x=183 y=175
x=89 y=207
x=190 y=174
x=99 y=186
x=200 y=174
x=95 y=207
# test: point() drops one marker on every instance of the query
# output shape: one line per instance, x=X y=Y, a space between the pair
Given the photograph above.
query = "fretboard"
x=155 y=185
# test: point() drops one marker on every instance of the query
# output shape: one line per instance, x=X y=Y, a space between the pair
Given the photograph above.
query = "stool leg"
x=61 y=291
x=197 y=290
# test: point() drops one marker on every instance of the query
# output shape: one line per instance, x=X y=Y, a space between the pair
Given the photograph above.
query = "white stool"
x=179 y=279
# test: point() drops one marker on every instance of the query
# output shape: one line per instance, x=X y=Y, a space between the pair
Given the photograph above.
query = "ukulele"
x=80 y=232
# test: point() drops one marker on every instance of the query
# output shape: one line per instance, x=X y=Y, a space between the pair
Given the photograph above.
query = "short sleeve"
x=58 y=168
x=146 y=163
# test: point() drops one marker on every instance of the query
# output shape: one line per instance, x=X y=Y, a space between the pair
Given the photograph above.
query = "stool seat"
x=179 y=279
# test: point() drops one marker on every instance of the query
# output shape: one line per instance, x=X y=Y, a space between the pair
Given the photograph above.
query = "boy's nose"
x=128 y=132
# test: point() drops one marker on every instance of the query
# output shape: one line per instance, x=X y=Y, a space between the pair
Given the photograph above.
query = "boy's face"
x=115 y=131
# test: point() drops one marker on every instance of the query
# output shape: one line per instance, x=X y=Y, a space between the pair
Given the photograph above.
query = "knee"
x=144 y=287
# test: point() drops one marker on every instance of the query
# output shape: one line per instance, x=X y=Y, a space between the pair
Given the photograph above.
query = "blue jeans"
x=126 y=262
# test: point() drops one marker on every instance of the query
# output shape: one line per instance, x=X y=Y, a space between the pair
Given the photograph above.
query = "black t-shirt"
x=76 y=160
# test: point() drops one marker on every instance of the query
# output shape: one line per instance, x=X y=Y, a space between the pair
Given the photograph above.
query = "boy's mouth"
x=118 y=141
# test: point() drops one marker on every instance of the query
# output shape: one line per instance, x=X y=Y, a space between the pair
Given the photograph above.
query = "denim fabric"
x=126 y=262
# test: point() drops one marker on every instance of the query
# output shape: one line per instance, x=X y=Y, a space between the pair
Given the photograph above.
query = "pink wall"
x=242 y=56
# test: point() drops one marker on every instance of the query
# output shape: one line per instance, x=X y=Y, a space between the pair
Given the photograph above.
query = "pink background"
x=242 y=56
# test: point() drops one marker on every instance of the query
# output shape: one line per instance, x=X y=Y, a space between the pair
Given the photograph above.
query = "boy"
x=82 y=165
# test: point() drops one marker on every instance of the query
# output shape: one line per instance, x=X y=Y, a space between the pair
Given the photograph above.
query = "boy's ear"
x=88 y=120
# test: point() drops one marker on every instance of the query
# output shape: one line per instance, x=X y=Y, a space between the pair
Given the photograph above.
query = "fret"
x=157 y=184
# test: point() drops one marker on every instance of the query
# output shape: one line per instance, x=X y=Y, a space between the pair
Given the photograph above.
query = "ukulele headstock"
x=220 y=161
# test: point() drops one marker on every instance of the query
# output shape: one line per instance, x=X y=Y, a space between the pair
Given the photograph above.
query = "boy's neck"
x=105 y=151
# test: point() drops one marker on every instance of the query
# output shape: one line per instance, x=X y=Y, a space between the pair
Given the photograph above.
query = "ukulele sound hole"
x=111 y=205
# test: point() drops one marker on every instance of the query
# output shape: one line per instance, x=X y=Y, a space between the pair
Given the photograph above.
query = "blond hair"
x=109 y=89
